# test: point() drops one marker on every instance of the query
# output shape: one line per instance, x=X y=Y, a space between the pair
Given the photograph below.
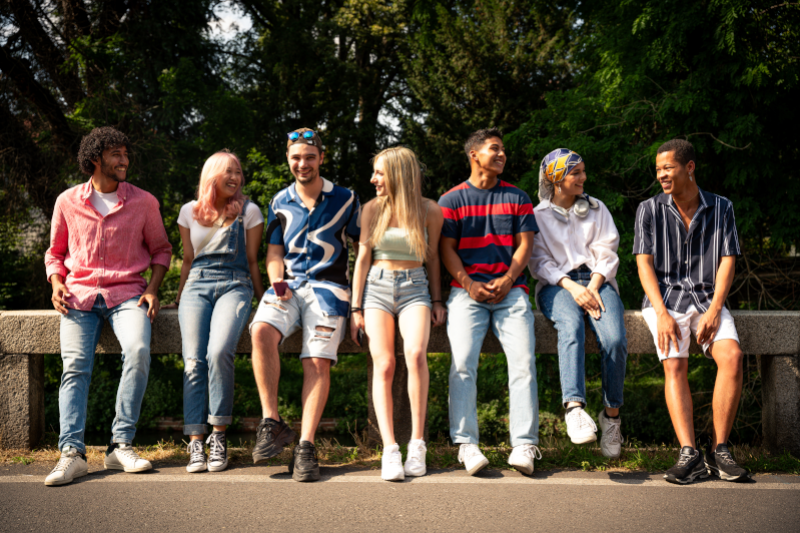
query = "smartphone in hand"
x=280 y=287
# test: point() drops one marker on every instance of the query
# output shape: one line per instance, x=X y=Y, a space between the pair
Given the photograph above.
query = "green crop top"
x=395 y=247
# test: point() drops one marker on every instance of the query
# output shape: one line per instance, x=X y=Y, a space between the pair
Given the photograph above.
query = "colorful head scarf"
x=558 y=163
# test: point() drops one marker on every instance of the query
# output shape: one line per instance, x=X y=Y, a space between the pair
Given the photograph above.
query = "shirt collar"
x=327 y=190
x=122 y=191
x=666 y=199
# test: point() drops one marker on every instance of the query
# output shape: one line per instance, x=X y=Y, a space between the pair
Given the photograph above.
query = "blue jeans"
x=213 y=313
x=80 y=332
x=512 y=323
x=558 y=305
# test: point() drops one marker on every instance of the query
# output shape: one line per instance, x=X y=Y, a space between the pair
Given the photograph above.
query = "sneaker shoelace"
x=64 y=463
x=532 y=451
x=416 y=453
x=217 y=450
x=725 y=457
x=308 y=453
x=394 y=458
x=584 y=420
x=685 y=459
x=614 y=434
x=128 y=452
x=196 y=452
x=468 y=452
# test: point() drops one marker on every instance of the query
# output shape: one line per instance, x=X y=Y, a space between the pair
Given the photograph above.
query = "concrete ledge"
x=772 y=335
x=761 y=332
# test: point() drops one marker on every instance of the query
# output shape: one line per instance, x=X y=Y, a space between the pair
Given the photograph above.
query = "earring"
x=558 y=188
x=691 y=177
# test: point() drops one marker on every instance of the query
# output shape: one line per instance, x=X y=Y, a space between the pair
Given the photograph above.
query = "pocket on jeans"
x=419 y=280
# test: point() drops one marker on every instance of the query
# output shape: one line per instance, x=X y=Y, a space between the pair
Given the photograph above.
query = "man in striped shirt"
x=686 y=247
x=486 y=242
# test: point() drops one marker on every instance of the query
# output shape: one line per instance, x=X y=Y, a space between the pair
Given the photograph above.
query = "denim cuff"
x=612 y=406
x=121 y=440
x=565 y=401
x=220 y=420
x=195 y=429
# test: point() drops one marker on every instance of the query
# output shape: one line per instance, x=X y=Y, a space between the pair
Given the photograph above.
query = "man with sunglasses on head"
x=307 y=262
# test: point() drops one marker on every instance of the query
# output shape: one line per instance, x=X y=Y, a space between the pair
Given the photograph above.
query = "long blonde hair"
x=403 y=200
x=214 y=169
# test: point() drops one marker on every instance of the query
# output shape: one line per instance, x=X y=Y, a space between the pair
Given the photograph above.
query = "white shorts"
x=687 y=322
x=303 y=311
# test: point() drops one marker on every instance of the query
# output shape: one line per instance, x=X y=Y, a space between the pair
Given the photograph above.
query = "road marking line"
x=435 y=479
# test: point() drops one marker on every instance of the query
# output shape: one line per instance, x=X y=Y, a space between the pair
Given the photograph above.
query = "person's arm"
x=253 y=244
x=275 y=268
x=54 y=260
x=604 y=251
x=709 y=322
x=363 y=252
x=433 y=264
x=448 y=247
x=523 y=243
x=668 y=330
x=186 y=267
x=155 y=238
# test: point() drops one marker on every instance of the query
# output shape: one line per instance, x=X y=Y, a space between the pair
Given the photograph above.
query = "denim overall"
x=214 y=310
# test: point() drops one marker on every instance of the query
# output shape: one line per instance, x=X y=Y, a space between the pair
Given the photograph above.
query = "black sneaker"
x=271 y=437
x=720 y=463
x=689 y=467
x=304 y=465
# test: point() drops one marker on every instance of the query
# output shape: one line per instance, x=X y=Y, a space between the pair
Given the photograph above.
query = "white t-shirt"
x=103 y=201
x=198 y=232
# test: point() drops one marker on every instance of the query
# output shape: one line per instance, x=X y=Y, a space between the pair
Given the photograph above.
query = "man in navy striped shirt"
x=486 y=243
x=686 y=247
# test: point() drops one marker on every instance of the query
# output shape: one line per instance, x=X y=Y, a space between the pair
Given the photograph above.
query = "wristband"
x=470 y=285
x=354 y=309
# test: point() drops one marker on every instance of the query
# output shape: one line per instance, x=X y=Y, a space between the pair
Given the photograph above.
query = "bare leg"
x=379 y=326
x=316 y=385
x=415 y=326
x=679 y=399
x=267 y=367
x=728 y=387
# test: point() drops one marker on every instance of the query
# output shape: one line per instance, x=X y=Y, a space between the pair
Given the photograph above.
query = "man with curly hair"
x=105 y=233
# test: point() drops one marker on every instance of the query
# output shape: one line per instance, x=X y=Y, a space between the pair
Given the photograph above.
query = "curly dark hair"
x=477 y=138
x=92 y=146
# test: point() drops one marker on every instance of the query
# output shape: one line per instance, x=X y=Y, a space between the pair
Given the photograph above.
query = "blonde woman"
x=221 y=234
x=400 y=233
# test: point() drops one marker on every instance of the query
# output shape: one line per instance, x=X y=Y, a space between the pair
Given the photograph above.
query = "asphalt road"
x=257 y=498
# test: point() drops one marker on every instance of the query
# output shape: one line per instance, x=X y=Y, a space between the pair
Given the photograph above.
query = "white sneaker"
x=392 y=464
x=580 y=426
x=415 y=458
x=612 y=439
x=71 y=465
x=522 y=457
x=218 y=451
x=197 y=456
x=124 y=457
x=472 y=458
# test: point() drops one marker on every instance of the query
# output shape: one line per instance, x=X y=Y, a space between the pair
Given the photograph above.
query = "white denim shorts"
x=302 y=311
x=688 y=322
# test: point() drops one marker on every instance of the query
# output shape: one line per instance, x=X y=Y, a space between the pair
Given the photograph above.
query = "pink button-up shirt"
x=105 y=255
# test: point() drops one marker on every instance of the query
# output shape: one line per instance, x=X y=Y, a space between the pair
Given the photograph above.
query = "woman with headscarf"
x=575 y=260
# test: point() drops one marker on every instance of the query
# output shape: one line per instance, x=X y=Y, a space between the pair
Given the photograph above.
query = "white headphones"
x=581 y=208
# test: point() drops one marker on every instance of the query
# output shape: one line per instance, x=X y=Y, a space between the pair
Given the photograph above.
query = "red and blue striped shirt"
x=484 y=222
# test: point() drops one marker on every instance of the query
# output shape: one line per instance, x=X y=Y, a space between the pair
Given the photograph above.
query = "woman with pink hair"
x=221 y=234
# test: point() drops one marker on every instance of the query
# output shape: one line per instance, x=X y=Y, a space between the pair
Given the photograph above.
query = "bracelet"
x=470 y=285
x=507 y=276
x=354 y=309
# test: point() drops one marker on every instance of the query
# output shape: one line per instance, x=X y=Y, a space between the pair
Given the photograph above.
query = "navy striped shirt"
x=686 y=262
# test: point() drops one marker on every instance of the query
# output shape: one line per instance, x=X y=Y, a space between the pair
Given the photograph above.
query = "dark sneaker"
x=271 y=437
x=720 y=463
x=304 y=465
x=689 y=467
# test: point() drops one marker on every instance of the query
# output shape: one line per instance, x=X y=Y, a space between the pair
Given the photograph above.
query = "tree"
x=721 y=73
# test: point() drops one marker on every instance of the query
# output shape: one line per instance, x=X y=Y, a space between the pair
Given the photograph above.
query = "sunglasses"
x=293 y=136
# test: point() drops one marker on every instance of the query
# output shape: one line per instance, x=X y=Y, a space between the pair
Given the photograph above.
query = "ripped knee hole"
x=323 y=332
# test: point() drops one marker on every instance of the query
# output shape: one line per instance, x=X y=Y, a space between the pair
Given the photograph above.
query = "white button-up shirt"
x=564 y=246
